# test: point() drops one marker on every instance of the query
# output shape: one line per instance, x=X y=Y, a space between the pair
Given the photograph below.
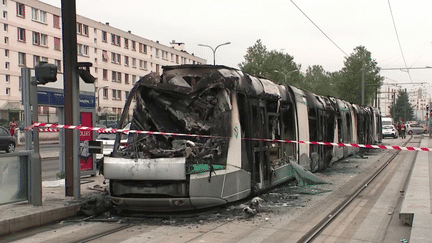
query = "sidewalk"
x=55 y=206
x=416 y=209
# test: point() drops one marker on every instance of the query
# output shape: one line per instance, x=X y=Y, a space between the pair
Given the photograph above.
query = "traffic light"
x=45 y=72
x=427 y=107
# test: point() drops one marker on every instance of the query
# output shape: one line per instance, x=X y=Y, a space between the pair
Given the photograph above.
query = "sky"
x=283 y=27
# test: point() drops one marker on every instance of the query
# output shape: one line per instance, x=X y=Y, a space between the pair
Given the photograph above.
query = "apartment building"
x=30 y=32
x=419 y=98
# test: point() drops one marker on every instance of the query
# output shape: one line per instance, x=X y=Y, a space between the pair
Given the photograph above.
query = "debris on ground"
x=96 y=205
x=305 y=177
x=254 y=206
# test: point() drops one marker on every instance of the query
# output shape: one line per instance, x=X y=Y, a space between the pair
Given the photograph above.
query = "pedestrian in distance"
x=402 y=127
x=398 y=129
x=12 y=126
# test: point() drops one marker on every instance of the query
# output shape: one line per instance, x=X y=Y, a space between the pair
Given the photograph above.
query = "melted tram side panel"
x=145 y=169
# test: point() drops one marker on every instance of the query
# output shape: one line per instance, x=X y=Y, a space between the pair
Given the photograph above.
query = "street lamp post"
x=214 y=50
x=98 y=97
x=285 y=74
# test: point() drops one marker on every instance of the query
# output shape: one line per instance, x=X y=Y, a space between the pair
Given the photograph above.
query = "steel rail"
x=318 y=228
x=100 y=235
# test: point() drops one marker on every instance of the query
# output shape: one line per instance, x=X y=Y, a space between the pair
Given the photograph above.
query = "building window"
x=56 y=21
x=56 y=44
x=6 y=52
x=82 y=50
x=6 y=40
x=157 y=53
x=4 y=2
x=7 y=91
x=7 y=78
x=141 y=64
x=105 y=74
x=116 y=76
x=7 y=65
x=36 y=60
x=21 y=59
x=104 y=56
x=58 y=64
x=126 y=61
x=36 y=38
x=6 y=27
x=115 y=40
x=133 y=79
x=126 y=94
x=44 y=59
x=126 y=78
x=144 y=49
x=4 y=14
x=20 y=8
x=82 y=29
x=104 y=36
x=133 y=46
x=134 y=62
x=105 y=93
x=38 y=15
x=119 y=97
x=114 y=94
x=43 y=40
x=21 y=35
x=126 y=43
x=115 y=58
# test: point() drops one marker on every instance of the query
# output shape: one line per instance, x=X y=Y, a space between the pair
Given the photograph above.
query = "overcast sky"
x=282 y=26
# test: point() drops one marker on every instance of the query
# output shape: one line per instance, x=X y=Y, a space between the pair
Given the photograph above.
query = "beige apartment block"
x=31 y=31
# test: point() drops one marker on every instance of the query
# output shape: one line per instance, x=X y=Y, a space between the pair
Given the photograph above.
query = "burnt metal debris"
x=180 y=106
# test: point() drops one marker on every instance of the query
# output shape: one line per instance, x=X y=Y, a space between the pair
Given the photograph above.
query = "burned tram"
x=176 y=173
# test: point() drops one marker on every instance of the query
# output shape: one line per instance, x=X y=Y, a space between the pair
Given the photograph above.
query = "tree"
x=261 y=62
x=403 y=109
x=320 y=82
x=349 y=88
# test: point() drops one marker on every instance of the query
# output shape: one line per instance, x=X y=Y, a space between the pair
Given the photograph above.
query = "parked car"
x=108 y=140
x=389 y=131
x=7 y=141
x=414 y=128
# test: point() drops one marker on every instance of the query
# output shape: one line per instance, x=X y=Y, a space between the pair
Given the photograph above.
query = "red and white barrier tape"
x=126 y=131
x=48 y=130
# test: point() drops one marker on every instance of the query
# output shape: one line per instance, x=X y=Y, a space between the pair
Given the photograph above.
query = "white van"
x=386 y=121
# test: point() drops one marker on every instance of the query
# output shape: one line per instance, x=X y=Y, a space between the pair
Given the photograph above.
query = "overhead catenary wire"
x=318 y=28
x=398 y=39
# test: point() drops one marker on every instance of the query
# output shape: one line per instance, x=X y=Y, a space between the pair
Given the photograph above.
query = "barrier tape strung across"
x=126 y=131
x=48 y=130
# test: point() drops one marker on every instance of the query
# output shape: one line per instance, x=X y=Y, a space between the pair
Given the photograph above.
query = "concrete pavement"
x=416 y=208
x=56 y=206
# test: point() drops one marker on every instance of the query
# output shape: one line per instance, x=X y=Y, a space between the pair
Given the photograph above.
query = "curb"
x=13 y=225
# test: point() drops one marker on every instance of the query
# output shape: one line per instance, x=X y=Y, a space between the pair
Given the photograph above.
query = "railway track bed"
x=289 y=212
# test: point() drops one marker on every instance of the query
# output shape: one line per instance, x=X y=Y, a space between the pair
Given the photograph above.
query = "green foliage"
x=61 y=175
x=344 y=84
x=403 y=109
x=261 y=62
x=320 y=82
x=349 y=88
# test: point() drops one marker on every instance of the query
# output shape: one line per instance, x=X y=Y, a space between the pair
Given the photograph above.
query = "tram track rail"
x=103 y=234
x=328 y=219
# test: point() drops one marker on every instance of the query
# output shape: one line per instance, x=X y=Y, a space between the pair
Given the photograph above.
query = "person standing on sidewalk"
x=12 y=126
